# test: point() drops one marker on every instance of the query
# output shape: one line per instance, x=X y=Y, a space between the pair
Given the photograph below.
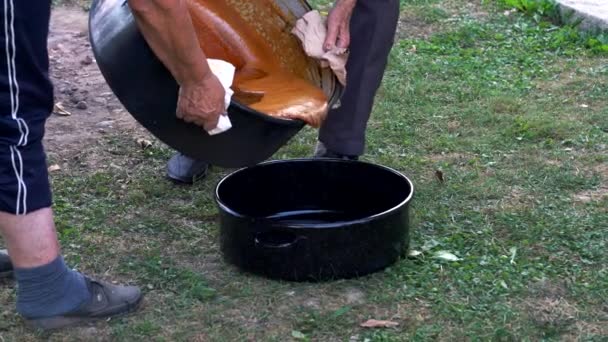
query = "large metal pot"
x=313 y=220
x=149 y=92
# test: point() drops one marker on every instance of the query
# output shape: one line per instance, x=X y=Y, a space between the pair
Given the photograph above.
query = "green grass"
x=514 y=114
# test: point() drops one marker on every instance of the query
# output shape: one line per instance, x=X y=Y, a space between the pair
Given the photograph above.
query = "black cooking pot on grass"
x=149 y=92
x=314 y=220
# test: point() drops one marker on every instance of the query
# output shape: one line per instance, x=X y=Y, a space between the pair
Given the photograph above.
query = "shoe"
x=106 y=301
x=185 y=170
x=6 y=266
x=322 y=152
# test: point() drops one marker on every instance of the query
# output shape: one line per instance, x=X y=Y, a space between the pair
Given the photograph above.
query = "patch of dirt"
x=570 y=82
x=547 y=312
x=412 y=23
x=548 y=289
x=354 y=296
x=548 y=307
x=453 y=126
x=82 y=91
x=505 y=105
x=517 y=198
x=594 y=195
x=602 y=169
x=554 y=162
x=594 y=329
x=452 y=158
x=412 y=27
x=598 y=194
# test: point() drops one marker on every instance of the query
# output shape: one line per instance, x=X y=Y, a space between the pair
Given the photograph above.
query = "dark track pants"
x=26 y=101
x=373 y=27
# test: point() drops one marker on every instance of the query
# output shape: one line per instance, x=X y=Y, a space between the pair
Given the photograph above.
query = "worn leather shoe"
x=322 y=152
x=185 y=170
x=6 y=266
x=106 y=301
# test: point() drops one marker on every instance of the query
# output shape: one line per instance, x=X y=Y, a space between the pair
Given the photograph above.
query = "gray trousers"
x=373 y=27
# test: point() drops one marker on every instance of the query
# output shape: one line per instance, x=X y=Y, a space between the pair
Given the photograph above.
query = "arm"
x=338 y=25
x=167 y=27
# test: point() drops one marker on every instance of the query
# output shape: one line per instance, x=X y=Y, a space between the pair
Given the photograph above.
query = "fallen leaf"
x=144 y=143
x=414 y=253
x=59 y=110
x=513 y=251
x=372 y=323
x=54 y=168
x=298 y=335
x=445 y=255
x=430 y=244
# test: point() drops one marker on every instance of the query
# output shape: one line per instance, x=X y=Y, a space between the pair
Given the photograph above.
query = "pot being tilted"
x=149 y=92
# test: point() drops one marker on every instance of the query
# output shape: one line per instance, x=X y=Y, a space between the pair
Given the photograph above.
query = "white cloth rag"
x=224 y=71
x=311 y=30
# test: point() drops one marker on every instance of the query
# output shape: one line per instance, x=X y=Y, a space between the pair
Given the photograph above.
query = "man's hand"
x=202 y=103
x=338 y=25
x=168 y=29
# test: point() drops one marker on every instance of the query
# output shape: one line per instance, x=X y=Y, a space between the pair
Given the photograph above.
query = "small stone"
x=107 y=123
x=82 y=105
x=75 y=98
x=100 y=100
x=87 y=61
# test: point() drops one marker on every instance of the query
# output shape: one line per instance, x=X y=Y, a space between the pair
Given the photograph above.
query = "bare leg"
x=31 y=239
x=47 y=288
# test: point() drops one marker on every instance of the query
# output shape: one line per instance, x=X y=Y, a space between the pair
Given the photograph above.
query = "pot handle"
x=277 y=240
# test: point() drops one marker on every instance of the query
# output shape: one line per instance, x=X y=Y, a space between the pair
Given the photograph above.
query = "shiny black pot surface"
x=149 y=93
x=314 y=220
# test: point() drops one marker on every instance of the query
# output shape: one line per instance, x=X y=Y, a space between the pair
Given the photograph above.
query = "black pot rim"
x=224 y=207
x=266 y=117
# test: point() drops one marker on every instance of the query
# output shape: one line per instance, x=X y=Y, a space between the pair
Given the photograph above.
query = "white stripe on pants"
x=17 y=160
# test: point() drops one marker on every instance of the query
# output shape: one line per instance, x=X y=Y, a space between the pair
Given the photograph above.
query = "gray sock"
x=49 y=290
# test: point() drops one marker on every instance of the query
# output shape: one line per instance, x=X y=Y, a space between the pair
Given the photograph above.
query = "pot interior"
x=313 y=191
